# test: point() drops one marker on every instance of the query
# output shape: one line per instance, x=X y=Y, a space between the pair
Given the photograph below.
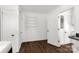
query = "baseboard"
x=34 y=40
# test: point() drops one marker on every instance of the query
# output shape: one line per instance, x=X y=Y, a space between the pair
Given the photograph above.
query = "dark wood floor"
x=38 y=47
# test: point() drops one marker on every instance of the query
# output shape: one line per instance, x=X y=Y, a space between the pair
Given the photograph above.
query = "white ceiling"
x=38 y=8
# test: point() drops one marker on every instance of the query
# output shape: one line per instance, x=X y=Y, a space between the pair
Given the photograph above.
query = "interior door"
x=61 y=28
x=65 y=26
x=8 y=25
x=5 y=23
x=52 y=34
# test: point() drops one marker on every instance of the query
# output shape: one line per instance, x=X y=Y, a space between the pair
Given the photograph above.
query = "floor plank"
x=38 y=47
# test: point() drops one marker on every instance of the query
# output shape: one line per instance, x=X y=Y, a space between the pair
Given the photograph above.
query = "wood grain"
x=41 y=47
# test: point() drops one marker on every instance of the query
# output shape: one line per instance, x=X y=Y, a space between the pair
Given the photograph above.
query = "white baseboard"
x=34 y=40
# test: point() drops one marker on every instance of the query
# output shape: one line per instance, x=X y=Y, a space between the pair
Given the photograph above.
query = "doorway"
x=65 y=26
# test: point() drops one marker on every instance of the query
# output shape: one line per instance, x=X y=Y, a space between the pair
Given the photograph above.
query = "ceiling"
x=38 y=8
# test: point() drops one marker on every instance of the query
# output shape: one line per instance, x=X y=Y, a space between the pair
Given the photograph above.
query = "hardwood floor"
x=38 y=47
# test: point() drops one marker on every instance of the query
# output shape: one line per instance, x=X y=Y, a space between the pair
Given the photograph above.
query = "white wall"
x=76 y=14
x=10 y=25
x=0 y=24
x=41 y=32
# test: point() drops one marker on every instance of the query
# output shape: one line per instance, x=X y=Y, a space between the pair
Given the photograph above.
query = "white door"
x=64 y=20
x=61 y=28
x=9 y=25
x=52 y=34
x=6 y=25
